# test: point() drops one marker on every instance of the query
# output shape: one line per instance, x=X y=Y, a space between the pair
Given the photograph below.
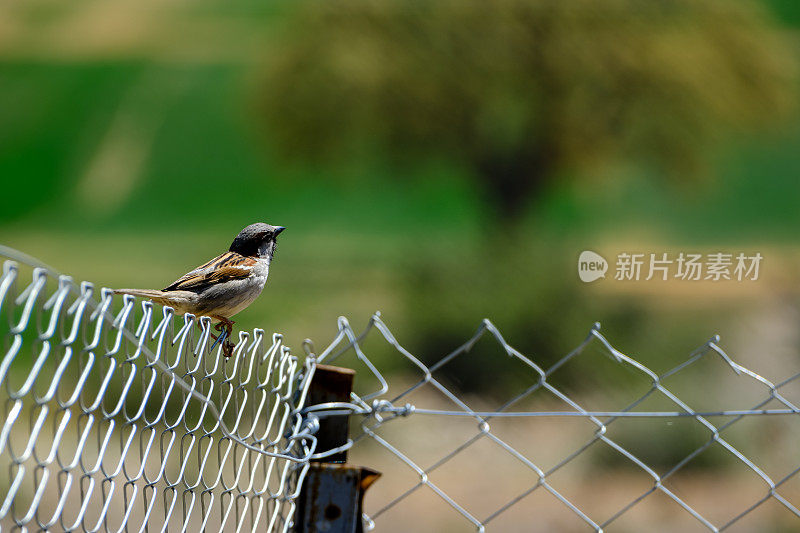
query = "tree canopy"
x=522 y=91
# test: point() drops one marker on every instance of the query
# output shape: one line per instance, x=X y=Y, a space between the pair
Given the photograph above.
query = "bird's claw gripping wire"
x=225 y=329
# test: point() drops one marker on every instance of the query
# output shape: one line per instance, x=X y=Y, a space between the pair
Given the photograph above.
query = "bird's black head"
x=256 y=240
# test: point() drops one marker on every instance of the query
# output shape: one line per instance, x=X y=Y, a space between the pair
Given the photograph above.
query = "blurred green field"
x=202 y=154
x=127 y=165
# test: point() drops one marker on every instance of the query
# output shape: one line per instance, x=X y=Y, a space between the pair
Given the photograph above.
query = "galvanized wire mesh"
x=117 y=416
x=478 y=503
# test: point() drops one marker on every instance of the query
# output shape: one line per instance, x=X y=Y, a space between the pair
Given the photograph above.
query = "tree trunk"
x=511 y=182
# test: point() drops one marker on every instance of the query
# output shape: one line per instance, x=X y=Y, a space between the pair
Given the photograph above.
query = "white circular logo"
x=591 y=266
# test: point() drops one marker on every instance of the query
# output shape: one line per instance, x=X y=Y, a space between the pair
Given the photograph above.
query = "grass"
x=130 y=166
x=203 y=153
x=352 y=231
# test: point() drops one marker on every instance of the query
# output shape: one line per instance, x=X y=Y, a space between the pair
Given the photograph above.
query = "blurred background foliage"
x=442 y=161
x=521 y=95
x=521 y=92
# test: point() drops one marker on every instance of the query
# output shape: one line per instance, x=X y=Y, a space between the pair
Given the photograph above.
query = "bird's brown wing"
x=227 y=266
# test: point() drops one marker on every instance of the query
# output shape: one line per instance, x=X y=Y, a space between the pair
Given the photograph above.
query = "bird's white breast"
x=228 y=298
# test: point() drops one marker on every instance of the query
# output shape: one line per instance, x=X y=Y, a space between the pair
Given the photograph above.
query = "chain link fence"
x=117 y=415
x=129 y=420
x=490 y=468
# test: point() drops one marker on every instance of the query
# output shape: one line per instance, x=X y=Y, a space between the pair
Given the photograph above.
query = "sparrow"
x=225 y=285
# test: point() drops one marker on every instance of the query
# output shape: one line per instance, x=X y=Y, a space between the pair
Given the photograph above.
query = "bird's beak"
x=278 y=229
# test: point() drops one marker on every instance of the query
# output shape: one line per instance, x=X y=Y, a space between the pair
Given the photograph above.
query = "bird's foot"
x=224 y=323
x=227 y=345
x=225 y=326
x=227 y=349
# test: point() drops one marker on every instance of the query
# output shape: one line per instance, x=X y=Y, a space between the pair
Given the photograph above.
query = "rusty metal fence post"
x=333 y=492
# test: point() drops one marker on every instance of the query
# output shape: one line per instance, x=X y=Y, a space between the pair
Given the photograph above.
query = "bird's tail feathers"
x=142 y=293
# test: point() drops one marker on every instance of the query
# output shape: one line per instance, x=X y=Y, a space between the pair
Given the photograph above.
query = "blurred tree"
x=523 y=91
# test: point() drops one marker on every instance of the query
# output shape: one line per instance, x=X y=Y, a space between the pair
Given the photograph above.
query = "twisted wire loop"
x=124 y=418
x=378 y=407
